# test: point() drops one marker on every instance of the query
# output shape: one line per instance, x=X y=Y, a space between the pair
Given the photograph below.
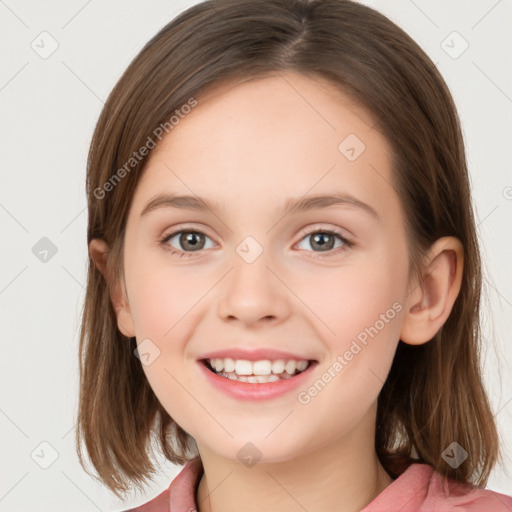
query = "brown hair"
x=434 y=393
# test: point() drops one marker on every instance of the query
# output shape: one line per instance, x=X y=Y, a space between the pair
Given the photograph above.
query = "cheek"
x=350 y=299
x=364 y=308
x=163 y=296
x=165 y=308
x=360 y=308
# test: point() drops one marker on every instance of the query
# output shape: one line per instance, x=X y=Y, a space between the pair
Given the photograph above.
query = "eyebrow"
x=291 y=206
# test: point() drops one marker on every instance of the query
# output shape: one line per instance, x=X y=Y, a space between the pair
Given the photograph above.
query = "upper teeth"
x=263 y=367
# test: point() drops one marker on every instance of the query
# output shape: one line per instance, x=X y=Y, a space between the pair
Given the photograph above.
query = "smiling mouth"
x=257 y=372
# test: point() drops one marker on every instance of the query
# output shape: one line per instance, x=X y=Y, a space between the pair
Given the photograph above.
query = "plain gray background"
x=50 y=104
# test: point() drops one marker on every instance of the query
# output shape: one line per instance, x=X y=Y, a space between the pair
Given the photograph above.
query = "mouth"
x=257 y=372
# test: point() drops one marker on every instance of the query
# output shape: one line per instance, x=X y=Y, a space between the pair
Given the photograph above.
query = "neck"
x=341 y=476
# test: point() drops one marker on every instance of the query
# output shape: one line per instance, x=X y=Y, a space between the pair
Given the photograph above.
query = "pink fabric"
x=418 y=489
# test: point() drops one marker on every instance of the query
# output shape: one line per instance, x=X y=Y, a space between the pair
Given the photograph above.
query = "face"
x=251 y=282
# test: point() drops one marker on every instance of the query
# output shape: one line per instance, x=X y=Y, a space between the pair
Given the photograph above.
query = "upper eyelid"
x=312 y=227
x=347 y=242
x=304 y=233
x=173 y=232
x=320 y=229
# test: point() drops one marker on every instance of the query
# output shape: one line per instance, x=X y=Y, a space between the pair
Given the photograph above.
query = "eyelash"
x=347 y=244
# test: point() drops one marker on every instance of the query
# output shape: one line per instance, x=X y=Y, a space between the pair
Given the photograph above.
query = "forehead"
x=272 y=104
x=280 y=135
x=311 y=91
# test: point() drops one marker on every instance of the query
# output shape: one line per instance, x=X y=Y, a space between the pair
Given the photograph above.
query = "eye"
x=320 y=241
x=324 y=241
x=189 y=241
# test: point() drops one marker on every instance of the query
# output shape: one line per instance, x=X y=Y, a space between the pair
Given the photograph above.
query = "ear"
x=431 y=299
x=99 y=252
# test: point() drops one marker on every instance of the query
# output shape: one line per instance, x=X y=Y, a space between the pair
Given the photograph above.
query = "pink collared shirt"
x=418 y=489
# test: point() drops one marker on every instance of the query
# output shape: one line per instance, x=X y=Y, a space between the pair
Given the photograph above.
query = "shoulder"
x=421 y=489
x=455 y=496
x=485 y=499
x=180 y=495
x=158 y=504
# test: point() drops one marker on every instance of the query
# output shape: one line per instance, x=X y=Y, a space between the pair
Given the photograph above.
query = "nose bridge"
x=253 y=292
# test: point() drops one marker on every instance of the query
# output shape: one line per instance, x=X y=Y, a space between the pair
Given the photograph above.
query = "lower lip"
x=248 y=391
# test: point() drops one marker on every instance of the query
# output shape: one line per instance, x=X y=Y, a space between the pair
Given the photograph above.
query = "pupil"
x=319 y=239
x=191 y=239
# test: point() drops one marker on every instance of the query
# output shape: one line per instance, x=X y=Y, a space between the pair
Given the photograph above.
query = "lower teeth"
x=257 y=379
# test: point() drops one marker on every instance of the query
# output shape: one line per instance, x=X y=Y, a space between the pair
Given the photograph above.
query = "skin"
x=250 y=147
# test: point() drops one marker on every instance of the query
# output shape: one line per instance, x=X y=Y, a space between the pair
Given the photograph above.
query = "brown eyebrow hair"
x=292 y=205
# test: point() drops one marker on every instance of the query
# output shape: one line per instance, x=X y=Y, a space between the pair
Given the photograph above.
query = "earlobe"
x=99 y=251
x=431 y=300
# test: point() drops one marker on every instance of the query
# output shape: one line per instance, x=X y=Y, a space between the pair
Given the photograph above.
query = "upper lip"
x=253 y=355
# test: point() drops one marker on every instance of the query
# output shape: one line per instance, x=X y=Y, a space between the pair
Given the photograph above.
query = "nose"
x=253 y=293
